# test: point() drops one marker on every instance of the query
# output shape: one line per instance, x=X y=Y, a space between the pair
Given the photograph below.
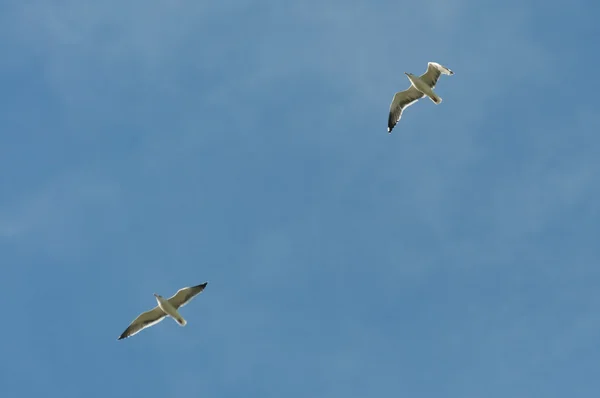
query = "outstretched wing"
x=434 y=71
x=183 y=296
x=143 y=321
x=402 y=100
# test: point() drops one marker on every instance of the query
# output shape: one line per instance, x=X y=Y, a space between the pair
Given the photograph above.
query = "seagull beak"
x=406 y=73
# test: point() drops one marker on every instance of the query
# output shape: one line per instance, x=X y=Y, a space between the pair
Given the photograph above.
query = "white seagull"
x=165 y=308
x=420 y=86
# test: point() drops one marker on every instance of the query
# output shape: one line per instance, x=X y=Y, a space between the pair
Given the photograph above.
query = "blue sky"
x=146 y=147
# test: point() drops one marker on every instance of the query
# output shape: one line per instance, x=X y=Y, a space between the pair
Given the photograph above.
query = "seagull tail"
x=436 y=99
x=181 y=321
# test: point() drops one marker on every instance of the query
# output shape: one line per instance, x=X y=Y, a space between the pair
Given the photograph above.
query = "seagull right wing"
x=143 y=321
x=402 y=100
x=434 y=71
x=183 y=296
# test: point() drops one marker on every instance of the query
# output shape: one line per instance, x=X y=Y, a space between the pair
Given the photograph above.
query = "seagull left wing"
x=434 y=71
x=183 y=296
x=143 y=321
x=402 y=100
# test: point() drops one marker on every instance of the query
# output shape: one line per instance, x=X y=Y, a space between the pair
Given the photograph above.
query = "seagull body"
x=168 y=309
x=420 y=86
x=423 y=87
x=165 y=307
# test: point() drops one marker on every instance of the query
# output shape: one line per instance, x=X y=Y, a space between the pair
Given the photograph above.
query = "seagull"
x=165 y=308
x=420 y=86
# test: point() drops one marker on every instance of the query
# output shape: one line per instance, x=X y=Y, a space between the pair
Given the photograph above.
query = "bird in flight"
x=420 y=86
x=165 y=307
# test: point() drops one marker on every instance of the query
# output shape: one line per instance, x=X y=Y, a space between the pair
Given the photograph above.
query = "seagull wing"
x=401 y=100
x=434 y=70
x=143 y=321
x=184 y=295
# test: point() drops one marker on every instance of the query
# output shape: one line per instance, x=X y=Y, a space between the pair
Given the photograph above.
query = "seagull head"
x=157 y=295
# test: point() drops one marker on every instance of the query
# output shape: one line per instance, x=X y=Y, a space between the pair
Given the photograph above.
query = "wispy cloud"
x=58 y=216
x=244 y=143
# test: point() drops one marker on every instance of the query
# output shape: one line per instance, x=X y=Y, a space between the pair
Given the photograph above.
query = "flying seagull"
x=420 y=86
x=165 y=308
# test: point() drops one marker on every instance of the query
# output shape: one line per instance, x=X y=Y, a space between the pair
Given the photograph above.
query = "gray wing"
x=143 y=321
x=402 y=100
x=184 y=295
x=434 y=71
